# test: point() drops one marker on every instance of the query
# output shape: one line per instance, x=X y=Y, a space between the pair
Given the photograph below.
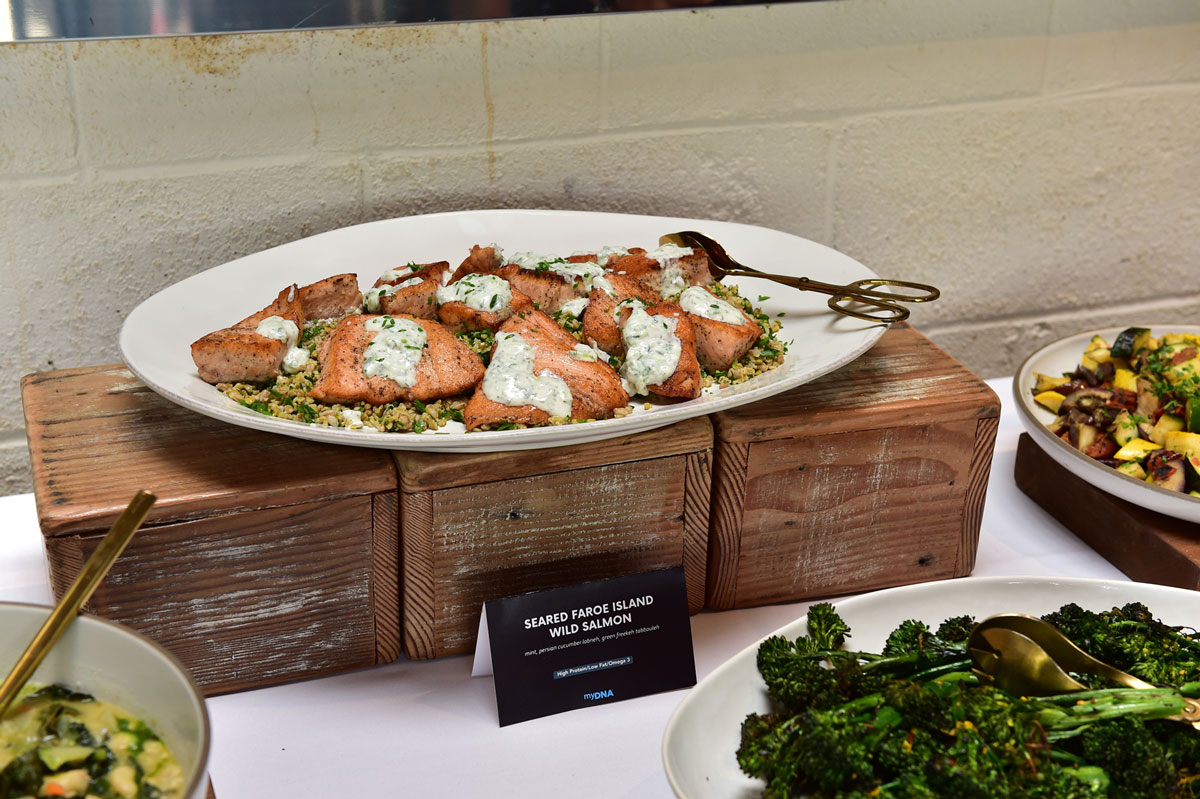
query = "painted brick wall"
x=1037 y=159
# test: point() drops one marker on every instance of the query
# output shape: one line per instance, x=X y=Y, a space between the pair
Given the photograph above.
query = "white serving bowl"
x=118 y=665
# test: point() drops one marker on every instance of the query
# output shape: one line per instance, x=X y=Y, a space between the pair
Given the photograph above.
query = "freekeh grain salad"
x=1134 y=405
x=501 y=342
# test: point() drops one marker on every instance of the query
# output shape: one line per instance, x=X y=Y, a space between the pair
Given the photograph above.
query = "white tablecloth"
x=428 y=729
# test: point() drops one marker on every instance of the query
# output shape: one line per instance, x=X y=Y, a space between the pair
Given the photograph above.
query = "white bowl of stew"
x=143 y=703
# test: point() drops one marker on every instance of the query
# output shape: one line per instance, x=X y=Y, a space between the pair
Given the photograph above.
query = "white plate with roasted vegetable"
x=925 y=726
x=1120 y=409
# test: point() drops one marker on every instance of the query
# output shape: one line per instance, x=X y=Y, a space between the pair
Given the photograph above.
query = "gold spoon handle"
x=93 y=572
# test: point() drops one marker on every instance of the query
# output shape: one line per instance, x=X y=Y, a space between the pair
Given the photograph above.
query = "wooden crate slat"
x=97 y=435
x=423 y=471
x=285 y=594
x=467 y=544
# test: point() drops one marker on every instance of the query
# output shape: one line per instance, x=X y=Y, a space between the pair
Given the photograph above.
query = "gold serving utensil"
x=80 y=591
x=885 y=304
x=1029 y=657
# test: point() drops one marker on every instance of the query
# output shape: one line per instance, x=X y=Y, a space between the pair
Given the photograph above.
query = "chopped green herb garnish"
x=418 y=405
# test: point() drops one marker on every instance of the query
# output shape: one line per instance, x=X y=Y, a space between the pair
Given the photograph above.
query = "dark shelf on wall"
x=41 y=20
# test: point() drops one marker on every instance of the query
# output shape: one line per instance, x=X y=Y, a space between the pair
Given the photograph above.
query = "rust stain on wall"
x=489 y=106
x=394 y=38
x=221 y=55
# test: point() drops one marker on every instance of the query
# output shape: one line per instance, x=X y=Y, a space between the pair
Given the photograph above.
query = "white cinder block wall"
x=1037 y=159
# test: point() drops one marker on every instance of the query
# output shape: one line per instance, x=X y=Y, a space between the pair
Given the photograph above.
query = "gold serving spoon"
x=80 y=591
x=886 y=304
x=1029 y=657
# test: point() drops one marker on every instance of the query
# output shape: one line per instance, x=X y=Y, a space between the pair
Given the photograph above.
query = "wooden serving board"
x=1147 y=546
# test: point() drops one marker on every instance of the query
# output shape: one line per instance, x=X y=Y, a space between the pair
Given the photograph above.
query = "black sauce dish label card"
x=589 y=644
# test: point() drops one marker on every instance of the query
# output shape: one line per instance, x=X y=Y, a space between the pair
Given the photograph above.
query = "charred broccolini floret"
x=913 y=722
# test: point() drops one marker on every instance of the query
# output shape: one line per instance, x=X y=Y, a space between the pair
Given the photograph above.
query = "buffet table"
x=429 y=729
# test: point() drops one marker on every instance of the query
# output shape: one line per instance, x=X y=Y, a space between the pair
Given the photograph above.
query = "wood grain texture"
x=469 y=544
x=725 y=522
x=905 y=379
x=97 y=435
x=697 y=494
x=283 y=594
x=422 y=471
x=828 y=515
x=977 y=482
x=385 y=575
x=1147 y=546
x=418 y=579
x=872 y=476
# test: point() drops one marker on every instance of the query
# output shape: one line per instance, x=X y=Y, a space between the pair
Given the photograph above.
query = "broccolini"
x=913 y=722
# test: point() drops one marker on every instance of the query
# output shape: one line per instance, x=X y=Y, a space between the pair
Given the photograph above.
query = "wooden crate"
x=476 y=527
x=872 y=476
x=1147 y=546
x=265 y=559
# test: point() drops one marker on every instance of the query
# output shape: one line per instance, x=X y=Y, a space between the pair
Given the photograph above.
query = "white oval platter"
x=1063 y=356
x=701 y=739
x=156 y=336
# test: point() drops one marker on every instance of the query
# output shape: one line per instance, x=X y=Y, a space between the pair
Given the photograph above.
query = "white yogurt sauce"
x=509 y=379
x=395 y=350
x=399 y=273
x=632 y=302
x=372 y=295
x=285 y=330
x=574 y=307
x=601 y=282
x=352 y=418
x=481 y=292
x=652 y=350
x=702 y=303
x=570 y=272
x=586 y=352
x=668 y=256
x=604 y=253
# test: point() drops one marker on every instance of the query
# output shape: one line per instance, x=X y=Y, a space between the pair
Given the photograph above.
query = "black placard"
x=590 y=644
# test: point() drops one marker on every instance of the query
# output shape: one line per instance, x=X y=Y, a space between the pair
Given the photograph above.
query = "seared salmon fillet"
x=685 y=381
x=331 y=297
x=446 y=366
x=419 y=300
x=236 y=355
x=403 y=274
x=547 y=291
x=287 y=304
x=595 y=388
x=481 y=260
x=460 y=317
x=665 y=271
x=408 y=290
x=239 y=354
x=601 y=319
x=721 y=344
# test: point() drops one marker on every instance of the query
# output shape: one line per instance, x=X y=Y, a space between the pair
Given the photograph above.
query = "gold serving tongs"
x=68 y=607
x=1029 y=657
x=861 y=292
